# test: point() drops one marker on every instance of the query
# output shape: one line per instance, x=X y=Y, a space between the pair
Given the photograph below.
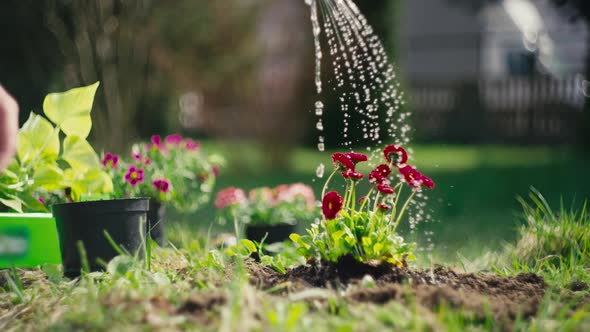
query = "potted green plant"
x=56 y=164
x=271 y=214
x=171 y=172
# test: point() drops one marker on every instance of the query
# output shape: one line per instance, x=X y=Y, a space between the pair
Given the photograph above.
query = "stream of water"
x=365 y=82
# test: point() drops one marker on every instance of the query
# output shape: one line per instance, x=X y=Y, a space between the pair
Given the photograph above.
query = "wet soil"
x=481 y=295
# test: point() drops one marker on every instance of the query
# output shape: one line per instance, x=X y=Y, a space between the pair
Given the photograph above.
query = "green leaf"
x=91 y=182
x=248 y=245
x=49 y=177
x=119 y=265
x=13 y=203
x=337 y=235
x=52 y=272
x=70 y=110
x=37 y=138
x=79 y=154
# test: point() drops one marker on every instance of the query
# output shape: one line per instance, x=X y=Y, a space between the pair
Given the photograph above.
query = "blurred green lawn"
x=474 y=205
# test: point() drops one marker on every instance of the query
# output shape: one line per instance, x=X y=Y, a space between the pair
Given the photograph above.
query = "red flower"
x=229 y=197
x=416 y=179
x=331 y=204
x=174 y=139
x=162 y=185
x=110 y=160
x=379 y=174
x=350 y=174
x=342 y=161
x=383 y=207
x=362 y=199
x=191 y=145
x=41 y=200
x=134 y=176
x=385 y=189
x=357 y=157
x=216 y=171
x=395 y=154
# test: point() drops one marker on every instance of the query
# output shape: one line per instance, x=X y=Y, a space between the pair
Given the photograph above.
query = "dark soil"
x=481 y=295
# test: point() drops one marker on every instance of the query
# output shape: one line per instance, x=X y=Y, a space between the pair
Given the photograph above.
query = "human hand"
x=8 y=128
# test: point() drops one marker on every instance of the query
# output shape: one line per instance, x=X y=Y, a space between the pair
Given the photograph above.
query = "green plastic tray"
x=28 y=240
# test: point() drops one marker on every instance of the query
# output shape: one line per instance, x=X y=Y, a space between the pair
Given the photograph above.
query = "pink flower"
x=350 y=174
x=147 y=161
x=162 y=185
x=41 y=200
x=174 y=139
x=216 y=171
x=331 y=205
x=134 y=175
x=264 y=194
x=110 y=160
x=230 y=197
x=136 y=156
x=157 y=141
x=342 y=161
x=395 y=154
x=416 y=179
x=191 y=145
x=385 y=189
x=288 y=193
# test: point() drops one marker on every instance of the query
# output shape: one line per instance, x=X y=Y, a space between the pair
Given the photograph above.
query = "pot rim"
x=107 y=205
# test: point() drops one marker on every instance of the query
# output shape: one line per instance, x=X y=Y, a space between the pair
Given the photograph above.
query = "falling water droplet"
x=319 y=172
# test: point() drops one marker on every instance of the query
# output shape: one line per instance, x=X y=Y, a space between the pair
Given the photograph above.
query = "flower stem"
x=327 y=182
x=367 y=198
x=403 y=210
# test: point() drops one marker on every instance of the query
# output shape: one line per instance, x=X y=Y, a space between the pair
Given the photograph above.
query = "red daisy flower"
x=416 y=179
x=395 y=154
x=379 y=174
x=356 y=157
x=350 y=174
x=383 y=207
x=342 y=161
x=362 y=199
x=385 y=189
x=331 y=205
x=110 y=160
x=162 y=185
x=134 y=176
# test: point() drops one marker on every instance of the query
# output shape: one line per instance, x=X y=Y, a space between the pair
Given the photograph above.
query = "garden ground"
x=539 y=282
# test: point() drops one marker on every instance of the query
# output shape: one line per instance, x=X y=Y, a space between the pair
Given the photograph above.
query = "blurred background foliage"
x=500 y=104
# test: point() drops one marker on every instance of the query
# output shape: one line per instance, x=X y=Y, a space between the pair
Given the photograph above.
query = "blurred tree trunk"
x=107 y=41
x=283 y=79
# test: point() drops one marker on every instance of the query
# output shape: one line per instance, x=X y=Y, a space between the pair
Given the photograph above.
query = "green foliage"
x=553 y=244
x=43 y=165
x=366 y=237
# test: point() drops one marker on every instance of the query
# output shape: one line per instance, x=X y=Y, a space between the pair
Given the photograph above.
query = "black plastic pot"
x=276 y=233
x=86 y=222
x=156 y=217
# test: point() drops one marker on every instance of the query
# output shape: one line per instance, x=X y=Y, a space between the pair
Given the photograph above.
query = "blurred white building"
x=445 y=41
